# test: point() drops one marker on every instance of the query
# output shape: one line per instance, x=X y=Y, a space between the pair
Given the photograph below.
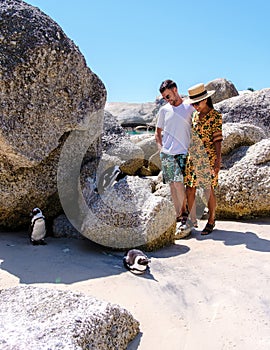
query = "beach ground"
x=202 y=293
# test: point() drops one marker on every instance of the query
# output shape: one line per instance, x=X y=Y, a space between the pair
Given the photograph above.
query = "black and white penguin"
x=37 y=230
x=136 y=261
x=108 y=178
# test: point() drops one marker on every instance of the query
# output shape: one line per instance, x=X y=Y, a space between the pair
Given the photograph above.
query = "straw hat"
x=198 y=93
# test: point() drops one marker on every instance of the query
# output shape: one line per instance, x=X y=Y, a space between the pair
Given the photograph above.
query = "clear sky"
x=133 y=45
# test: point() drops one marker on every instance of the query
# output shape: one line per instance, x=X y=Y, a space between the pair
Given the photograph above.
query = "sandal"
x=208 y=229
x=179 y=234
x=182 y=218
x=186 y=225
x=184 y=230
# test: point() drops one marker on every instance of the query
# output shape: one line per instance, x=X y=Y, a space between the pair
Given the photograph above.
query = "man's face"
x=171 y=96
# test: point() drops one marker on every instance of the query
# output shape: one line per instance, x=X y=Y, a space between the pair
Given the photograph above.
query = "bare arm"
x=217 y=166
x=158 y=138
x=217 y=139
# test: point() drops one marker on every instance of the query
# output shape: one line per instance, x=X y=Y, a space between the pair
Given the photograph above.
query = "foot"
x=208 y=229
x=182 y=217
x=194 y=222
x=186 y=225
x=42 y=242
x=183 y=233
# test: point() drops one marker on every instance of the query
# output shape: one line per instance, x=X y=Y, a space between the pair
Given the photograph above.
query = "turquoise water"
x=136 y=132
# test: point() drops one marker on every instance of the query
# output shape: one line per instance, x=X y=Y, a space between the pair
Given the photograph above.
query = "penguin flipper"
x=125 y=263
x=30 y=230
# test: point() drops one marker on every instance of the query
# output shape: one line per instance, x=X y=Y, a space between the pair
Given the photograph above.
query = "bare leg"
x=191 y=191
x=212 y=203
x=178 y=197
x=212 y=212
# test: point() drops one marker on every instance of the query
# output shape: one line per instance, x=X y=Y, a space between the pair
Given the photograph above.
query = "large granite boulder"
x=152 y=163
x=240 y=134
x=244 y=186
x=250 y=108
x=149 y=146
x=244 y=179
x=224 y=89
x=36 y=318
x=47 y=91
x=129 y=114
x=117 y=143
x=128 y=215
x=62 y=227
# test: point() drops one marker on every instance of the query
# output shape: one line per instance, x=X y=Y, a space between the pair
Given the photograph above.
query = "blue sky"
x=133 y=45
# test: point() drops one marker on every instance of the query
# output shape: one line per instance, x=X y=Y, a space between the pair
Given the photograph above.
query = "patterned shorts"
x=173 y=167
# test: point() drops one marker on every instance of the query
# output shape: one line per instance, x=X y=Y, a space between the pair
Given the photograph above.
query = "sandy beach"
x=207 y=292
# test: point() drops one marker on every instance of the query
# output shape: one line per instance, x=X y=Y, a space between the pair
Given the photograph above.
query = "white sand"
x=203 y=293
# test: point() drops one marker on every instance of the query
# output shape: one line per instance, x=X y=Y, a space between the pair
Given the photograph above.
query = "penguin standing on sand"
x=37 y=230
x=136 y=261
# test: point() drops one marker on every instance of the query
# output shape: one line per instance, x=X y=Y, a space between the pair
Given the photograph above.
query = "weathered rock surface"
x=35 y=318
x=63 y=228
x=252 y=108
x=47 y=91
x=129 y=215
x=244 y=189
x=116 y=143
x=244 y=186
x=132 y=113
x=238 y=134
x=149 y=146
x=224 y=89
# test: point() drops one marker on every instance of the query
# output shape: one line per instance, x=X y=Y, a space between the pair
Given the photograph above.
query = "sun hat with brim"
x=198 y=93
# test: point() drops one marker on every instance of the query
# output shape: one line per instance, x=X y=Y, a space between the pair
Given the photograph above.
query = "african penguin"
x=108 y=178
x=136 y=261
x=37 y=230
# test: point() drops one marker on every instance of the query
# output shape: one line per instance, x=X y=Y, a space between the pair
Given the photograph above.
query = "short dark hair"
x=167 y=84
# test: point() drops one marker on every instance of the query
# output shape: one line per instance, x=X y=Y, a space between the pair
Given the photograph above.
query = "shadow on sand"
x=62 y=260
x=66 y=260
x=232 y=238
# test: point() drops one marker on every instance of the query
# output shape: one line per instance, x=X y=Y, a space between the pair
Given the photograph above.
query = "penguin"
x=136 y=261
x=37 y=230
x=108 y=178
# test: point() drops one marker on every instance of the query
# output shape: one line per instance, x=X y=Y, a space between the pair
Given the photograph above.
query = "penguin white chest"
x=39 y=230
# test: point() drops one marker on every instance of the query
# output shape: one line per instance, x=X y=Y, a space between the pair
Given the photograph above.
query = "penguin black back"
x=136 y=261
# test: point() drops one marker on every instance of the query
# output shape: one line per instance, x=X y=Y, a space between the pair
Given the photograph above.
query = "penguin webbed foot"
x=40 y=242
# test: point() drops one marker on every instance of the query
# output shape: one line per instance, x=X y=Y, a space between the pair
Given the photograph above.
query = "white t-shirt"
x=176 y=125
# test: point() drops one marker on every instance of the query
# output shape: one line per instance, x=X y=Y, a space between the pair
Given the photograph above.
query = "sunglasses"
x=196 y=103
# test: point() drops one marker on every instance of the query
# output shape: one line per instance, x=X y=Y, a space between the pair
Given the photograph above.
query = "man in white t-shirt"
x=173 y=130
